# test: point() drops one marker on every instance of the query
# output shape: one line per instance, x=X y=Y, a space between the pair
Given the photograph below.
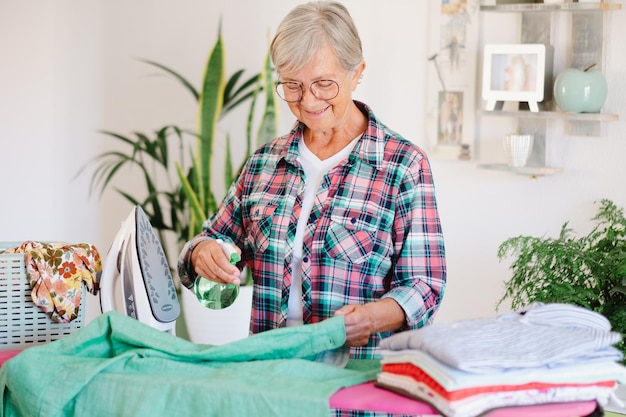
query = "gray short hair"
x=308 y=28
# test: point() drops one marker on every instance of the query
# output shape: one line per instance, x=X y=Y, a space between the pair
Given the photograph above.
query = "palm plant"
x=180 y=194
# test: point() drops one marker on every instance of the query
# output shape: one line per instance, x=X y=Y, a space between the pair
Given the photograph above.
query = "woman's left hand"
x=358 y=322
x=361 y=320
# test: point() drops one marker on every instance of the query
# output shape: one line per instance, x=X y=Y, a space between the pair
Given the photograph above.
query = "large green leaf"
x=196 y=211
x=210 y=107
x=176 y=75
x=268 y=128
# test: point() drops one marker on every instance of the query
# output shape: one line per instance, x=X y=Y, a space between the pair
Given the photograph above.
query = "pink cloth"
x=580 y=408
x=5 y=355
x=372 y=398
x=368 y=397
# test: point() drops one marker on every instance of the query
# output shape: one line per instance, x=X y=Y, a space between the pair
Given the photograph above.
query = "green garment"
x=117 y=366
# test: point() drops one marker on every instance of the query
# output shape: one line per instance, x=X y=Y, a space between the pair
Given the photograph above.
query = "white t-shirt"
x=314 y=170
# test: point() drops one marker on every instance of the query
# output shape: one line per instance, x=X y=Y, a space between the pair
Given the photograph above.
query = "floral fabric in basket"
x=56 y=272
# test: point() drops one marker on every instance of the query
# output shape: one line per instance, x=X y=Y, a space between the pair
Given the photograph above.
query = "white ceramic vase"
x=217 y=327
x=517 y=148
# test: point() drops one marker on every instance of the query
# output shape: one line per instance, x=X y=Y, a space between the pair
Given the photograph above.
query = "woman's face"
x=324 y=115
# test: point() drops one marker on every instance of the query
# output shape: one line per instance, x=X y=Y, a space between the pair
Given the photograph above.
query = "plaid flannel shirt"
x=374 y=231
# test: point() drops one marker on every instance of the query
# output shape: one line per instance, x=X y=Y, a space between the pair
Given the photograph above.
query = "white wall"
x=70 y=68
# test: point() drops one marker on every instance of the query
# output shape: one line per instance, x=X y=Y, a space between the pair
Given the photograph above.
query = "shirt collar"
x=370 y=148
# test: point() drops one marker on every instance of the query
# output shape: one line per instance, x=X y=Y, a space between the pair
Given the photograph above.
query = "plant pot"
x=217 y=327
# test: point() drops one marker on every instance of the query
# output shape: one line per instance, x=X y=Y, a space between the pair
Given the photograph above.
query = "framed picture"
x=450 y=129
x=451 y=72
x=517 y=72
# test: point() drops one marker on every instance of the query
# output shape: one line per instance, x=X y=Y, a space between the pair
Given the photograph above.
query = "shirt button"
x=353 y=220
x=305 y=259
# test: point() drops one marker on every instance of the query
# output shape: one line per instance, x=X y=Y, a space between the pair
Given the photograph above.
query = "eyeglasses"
x=292 y=92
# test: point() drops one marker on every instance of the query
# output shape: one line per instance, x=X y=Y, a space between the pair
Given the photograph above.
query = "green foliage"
x=164 y=204
x=181 y=193
x=588 y=271
x=197 y=182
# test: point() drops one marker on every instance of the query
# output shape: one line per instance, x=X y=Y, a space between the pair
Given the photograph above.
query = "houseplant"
x=197 y=181
x=588 y=271
x=180 y=193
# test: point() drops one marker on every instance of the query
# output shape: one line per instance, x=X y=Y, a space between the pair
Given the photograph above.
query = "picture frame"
x=452 y=90
x=517 y=72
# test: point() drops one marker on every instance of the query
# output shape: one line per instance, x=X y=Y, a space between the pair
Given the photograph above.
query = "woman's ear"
x=357 y=75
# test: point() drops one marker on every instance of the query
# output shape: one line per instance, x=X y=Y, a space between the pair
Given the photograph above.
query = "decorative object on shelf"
x=517 y=72
x=451 y=77
x=580 y=91
x=465 y=152
x=517 y=148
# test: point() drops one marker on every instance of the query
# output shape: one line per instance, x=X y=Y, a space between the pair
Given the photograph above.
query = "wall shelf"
x=555 y=115
x=532 y=171
x=541 y=7
x=577 y=33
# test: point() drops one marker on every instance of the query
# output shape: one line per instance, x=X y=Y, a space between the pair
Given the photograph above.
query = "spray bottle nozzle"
x=229 y=251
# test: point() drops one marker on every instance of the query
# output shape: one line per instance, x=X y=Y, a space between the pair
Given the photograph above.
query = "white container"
x=517 y=148
x=22 y=323
x=217 y=327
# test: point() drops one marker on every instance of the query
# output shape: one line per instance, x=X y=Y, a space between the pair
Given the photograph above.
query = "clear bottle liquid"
x=216 y=295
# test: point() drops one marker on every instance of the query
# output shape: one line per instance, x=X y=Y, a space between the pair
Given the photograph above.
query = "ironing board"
x=369 y=397
x=5 y=355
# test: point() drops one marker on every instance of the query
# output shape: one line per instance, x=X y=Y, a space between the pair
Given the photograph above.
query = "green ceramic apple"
x=580 y=91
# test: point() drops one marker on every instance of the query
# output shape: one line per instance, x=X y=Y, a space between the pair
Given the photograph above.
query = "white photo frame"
x=517 y=72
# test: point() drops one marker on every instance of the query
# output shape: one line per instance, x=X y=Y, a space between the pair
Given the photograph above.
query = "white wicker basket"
x=22 y=323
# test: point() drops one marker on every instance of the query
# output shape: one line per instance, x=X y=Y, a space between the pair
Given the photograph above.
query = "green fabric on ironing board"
x=117 y=366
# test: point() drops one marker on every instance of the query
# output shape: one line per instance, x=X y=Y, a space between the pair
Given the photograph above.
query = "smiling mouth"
x=315 y=113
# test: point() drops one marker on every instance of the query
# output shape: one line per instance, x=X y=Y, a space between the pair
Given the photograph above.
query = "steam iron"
x=136 y=263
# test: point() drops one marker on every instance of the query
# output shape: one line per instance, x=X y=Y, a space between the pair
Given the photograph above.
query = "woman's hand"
x=361 y=320
x=210 y=261
x=358 y=322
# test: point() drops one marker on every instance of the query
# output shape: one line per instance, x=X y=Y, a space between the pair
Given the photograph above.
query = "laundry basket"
x=22 y=323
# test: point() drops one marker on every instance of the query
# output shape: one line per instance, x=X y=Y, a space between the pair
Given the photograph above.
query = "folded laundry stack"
x=548 y=353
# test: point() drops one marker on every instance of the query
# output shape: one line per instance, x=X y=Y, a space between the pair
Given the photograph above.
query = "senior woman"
x=337 y=217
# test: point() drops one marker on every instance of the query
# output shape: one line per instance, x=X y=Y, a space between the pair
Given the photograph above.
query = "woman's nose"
x=307 y=96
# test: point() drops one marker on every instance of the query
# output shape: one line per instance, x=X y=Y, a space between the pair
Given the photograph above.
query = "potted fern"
x=588 y=271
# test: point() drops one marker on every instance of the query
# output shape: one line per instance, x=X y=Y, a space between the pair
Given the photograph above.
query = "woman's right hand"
x=210 y=261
